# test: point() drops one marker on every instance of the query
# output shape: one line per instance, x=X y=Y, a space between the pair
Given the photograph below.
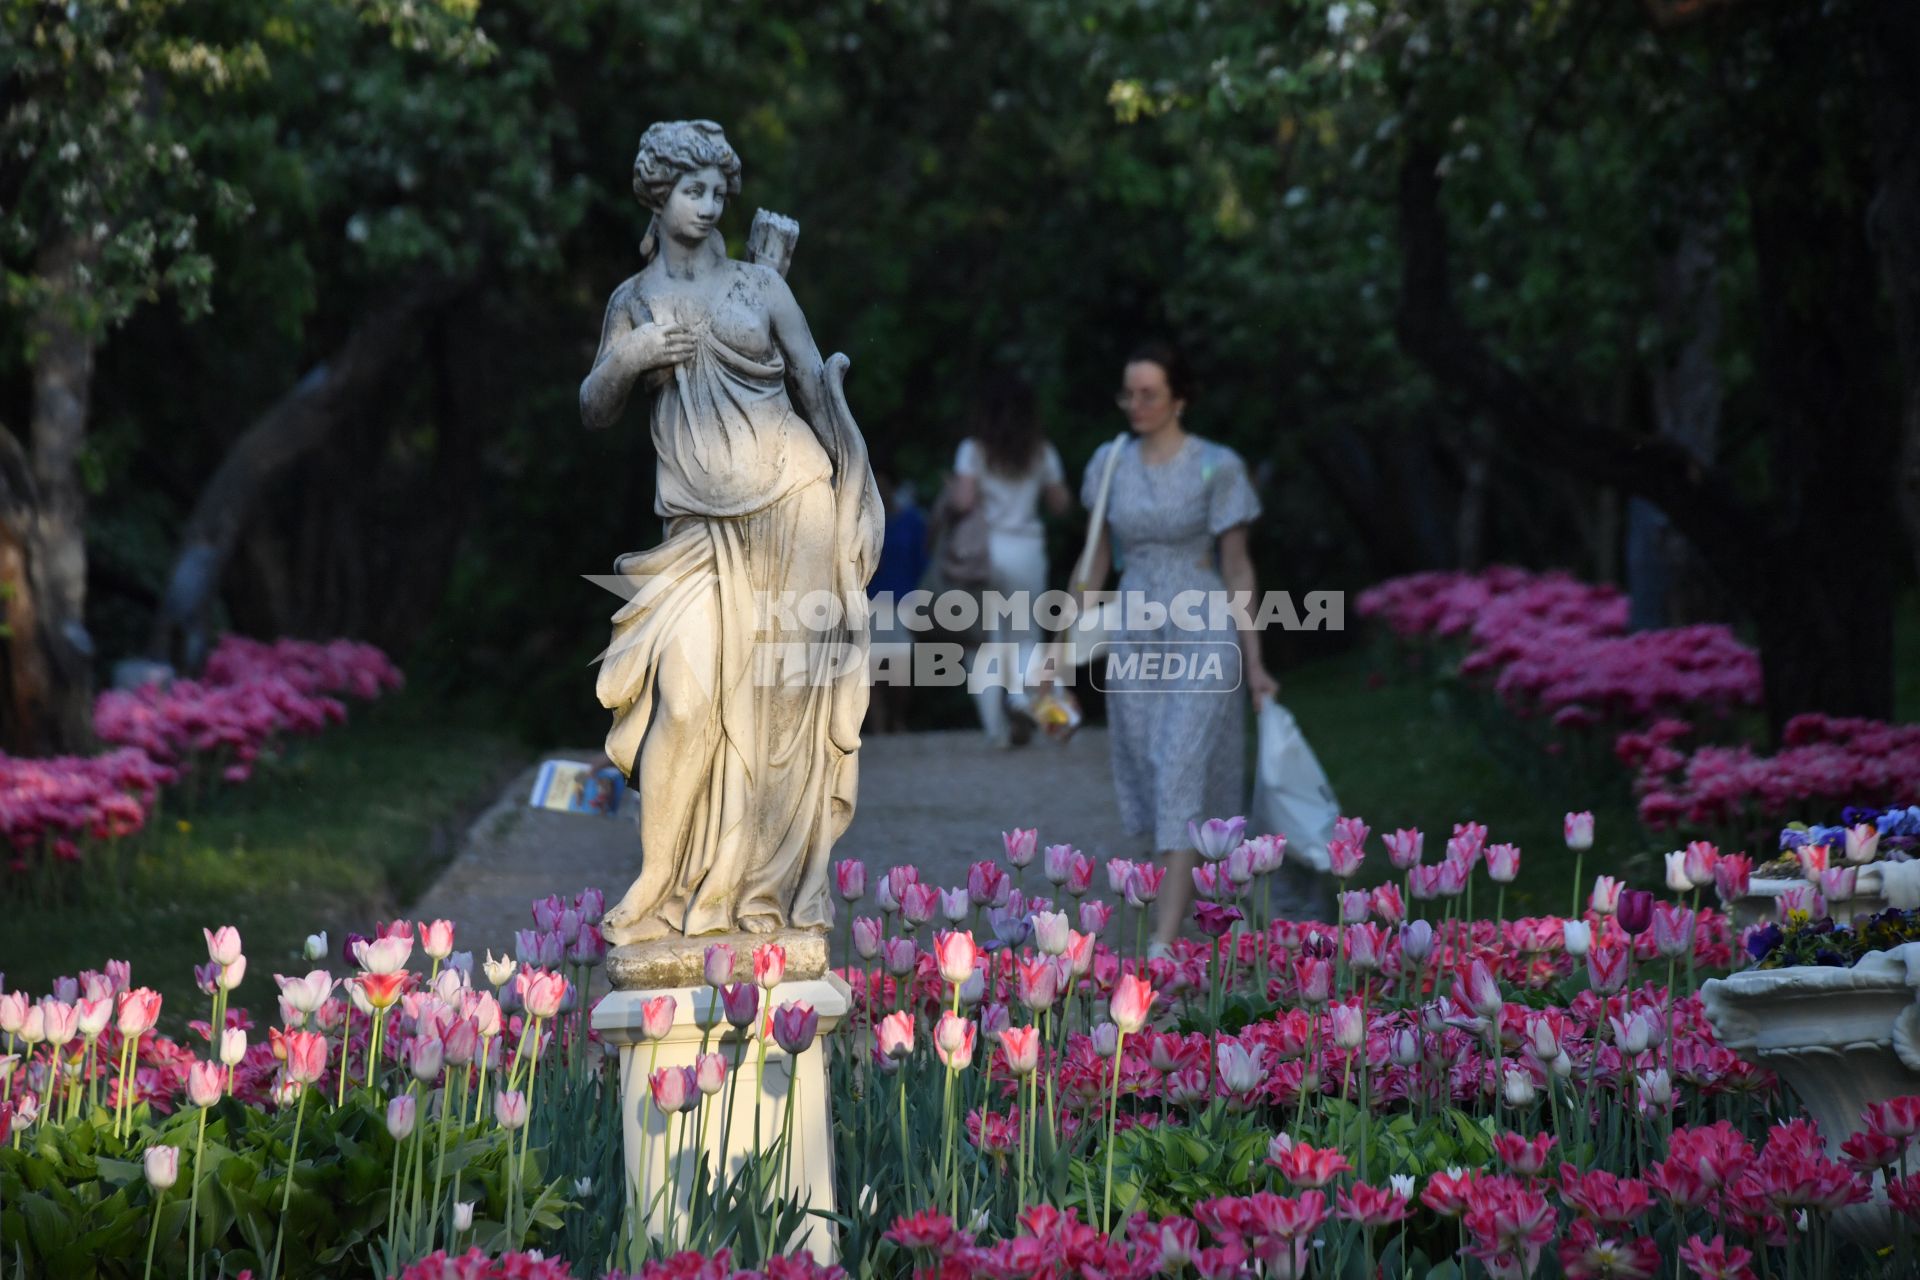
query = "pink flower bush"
x=250 y=695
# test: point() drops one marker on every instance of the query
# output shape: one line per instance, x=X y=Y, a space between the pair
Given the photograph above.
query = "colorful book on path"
x=572 y=787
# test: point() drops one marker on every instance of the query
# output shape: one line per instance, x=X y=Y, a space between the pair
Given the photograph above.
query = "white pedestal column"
x=654 y=1159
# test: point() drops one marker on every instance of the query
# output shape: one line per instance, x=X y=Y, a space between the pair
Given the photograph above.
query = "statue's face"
x=694 y=208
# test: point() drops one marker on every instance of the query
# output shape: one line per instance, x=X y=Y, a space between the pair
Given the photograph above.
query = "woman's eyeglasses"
x=1127 y=399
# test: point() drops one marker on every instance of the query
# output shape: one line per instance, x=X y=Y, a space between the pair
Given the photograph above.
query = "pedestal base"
x=660 y=1155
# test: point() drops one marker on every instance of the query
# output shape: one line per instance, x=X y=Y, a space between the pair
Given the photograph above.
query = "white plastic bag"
x=1291 y=795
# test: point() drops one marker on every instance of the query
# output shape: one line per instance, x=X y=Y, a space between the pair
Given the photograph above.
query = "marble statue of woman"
x=744 y=754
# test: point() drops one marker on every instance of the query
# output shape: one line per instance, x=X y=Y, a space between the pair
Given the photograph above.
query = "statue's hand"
x=657 y=346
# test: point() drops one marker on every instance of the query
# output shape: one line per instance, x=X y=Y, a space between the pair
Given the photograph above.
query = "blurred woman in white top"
x=1009 y=468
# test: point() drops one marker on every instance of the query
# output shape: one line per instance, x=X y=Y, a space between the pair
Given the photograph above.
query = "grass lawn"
x=1398 y=756
x=343 y=831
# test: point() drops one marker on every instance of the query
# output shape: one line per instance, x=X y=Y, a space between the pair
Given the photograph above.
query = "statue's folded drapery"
x=735 y=720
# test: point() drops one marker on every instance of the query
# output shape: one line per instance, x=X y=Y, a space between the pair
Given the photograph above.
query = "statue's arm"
x=604 y=393
x=790 y=330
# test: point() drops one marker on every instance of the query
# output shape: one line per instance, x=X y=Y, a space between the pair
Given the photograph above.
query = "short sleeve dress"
x=1177 y=710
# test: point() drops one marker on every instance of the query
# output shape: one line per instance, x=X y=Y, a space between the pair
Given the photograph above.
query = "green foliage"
x=1164 y=1170
x=77 y=1203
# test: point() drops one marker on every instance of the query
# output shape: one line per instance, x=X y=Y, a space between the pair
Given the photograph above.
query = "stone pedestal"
x=655 y=1160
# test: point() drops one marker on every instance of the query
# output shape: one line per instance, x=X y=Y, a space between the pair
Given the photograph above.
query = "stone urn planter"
x=1839 y=1038
x=1762 y=901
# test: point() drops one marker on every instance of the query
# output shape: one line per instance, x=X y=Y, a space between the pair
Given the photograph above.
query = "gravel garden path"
x=937 y=799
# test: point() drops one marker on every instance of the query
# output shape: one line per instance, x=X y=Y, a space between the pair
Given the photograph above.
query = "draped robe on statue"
x=737 y=722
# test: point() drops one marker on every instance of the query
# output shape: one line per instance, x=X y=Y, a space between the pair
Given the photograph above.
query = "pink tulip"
x=1079 y=953
x=956 y=954
x=1606 y=895
x=1348 y=1025
x=1216 y=837
x=1862 y=842
x=850 y=878
x=1355 y=905
x=918 y=903
x=955 y=906
x=1143 y=884
x=1131 y=1001
x=162 y=1166
x=436 y=938
x=1388 y=904
x=306 y=1056
x=794 y=1026
x=1094 y=917
x=1242 y=1070
x=231 y=976
x=1403 y=848
x=139 y=1010
x=1057 y=863
x=13 y=1012
x=740 y=1002
x=1476 y=990
x=306 y=994
x=402 y=1111
x=894 y=1034
x=656 y=1017
x=899 y=956
x=223 y=944
x=462 y=1041
x=206 y=1083
x=92 y=1014
x=233 y=1046
x=769 y=965
x=867 y=933
x=1344 y=859
x=60 y=1022
x=1020 y=846
x=1314 y=978
x=719 y=964
x=426 y=1056
x=1079 y=875
x=1022 y=1047
x=386 y=955
x=510 y=1107
x=709 y=1073
x=987 y=884
x=541 y=991
x=1578 y=828
x=1503 y=863
x=1607 y=967
x=953 y=1041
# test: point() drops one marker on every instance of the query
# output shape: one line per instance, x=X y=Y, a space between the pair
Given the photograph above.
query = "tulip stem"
x=153 y=1234
x=1113 y=1117
x=439 y=1169
x=286 y=1195
x=373 y=1044
x=346 y=1040
x=193 y=1196
x=393 y=1189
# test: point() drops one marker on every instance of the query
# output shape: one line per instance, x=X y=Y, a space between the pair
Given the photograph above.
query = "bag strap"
x=1097 y=524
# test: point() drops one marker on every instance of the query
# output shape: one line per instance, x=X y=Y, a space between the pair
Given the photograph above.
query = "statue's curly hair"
x=671 y=149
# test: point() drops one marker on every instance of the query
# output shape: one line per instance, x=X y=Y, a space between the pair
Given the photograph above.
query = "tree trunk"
x=294 y=426
x=50 y=653
x=1663 y=571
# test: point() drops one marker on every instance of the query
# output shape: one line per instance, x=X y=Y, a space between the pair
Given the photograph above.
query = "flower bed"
x=250 y=697
x=1013 y=1096
x=1553 y=650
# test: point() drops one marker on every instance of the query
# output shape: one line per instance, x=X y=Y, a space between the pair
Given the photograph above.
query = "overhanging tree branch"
x=1694 y=496
x=292 y=427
